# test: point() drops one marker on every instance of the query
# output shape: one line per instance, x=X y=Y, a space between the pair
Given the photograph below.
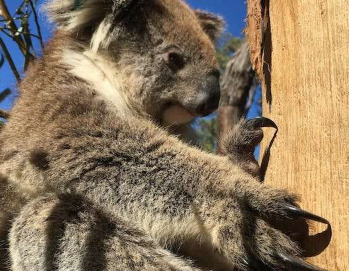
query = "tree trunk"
x=300 y=49
x=235 y=86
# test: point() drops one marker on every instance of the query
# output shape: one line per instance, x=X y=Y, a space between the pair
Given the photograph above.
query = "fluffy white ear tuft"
x=75 y=15
x=212 y=24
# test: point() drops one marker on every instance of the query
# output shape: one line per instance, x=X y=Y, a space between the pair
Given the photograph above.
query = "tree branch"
x=28 y=41
x=4 y=114
x=37 y=24
x=4 y=94
x=10 y=60
x=251 y=95
x=11 y=24
x=235 y=87
x=4 y=12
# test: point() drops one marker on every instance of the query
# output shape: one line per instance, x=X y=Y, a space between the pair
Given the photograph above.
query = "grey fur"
x=239 y=145
x=96 y=182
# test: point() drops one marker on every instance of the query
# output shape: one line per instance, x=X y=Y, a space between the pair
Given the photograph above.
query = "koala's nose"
x=210 y=98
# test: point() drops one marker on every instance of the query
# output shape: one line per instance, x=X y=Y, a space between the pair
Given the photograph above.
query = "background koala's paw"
x=249 y=236
x=240 y=143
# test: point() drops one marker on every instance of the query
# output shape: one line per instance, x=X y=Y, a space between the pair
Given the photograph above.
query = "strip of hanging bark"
x=235 y=86
x=258 y=24
x=258 y=34
x=253 y=33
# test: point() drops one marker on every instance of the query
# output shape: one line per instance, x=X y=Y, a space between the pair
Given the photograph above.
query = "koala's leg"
x=239 y=144
x=66 y=233
x=10 y=203
x=174 y=193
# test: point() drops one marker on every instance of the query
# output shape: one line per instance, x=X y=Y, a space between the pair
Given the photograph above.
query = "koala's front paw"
x=247 y=235
x=240 y=143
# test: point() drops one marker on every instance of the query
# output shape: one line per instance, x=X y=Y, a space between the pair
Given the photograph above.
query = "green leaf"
x=19 y=11
x=19 y=31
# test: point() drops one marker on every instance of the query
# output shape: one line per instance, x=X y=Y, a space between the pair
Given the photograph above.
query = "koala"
x=94 y=173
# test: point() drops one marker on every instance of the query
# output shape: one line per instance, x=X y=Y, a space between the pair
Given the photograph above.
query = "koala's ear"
x=212 y=24
x=75 y=15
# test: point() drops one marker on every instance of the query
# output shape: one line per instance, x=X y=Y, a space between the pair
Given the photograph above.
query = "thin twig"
x=12 y=26
x=3 y=30
x=4 y=94
x=37 y=24
x=28 y=42
x=34 y=36
x=10 y=60
x=4 y=114
x=27 y=37
x=14 y=18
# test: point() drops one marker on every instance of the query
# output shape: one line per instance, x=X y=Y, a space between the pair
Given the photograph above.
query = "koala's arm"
x=172 y=191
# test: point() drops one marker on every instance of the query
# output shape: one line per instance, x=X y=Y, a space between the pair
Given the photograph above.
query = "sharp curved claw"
x=261 y=122
x=297 y=263
x=297 y=212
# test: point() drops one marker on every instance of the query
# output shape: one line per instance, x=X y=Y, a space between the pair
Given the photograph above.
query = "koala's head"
x=161 y=52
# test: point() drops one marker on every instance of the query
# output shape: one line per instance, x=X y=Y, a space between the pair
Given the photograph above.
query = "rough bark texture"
x=235 y=86
x=305 y=56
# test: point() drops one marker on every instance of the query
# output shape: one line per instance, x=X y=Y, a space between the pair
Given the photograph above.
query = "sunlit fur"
x=90 y=177
x=100 y=74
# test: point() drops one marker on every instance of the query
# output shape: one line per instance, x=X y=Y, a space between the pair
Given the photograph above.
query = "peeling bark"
x=302 y=59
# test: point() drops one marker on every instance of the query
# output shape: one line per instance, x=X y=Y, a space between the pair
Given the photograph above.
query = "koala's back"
x=50 y=103
x=62 y=131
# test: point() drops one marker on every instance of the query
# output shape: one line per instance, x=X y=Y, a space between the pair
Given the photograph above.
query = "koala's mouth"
x=176 y=114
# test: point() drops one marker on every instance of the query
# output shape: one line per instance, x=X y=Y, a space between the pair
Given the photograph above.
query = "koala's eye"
x=175 y=61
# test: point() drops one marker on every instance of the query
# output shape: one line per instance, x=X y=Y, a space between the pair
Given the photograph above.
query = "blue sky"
x=233 y=11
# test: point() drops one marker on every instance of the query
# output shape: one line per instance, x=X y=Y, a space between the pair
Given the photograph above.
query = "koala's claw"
x=260 y=122
x=296 y=263
x=292 y=263
x=297 y=212
x=279 y=226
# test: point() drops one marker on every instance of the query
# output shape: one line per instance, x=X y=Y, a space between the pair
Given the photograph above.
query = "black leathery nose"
x=211 y=95
x=213 y=102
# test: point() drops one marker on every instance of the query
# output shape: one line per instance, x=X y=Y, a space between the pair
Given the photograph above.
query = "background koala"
x=94 y=180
